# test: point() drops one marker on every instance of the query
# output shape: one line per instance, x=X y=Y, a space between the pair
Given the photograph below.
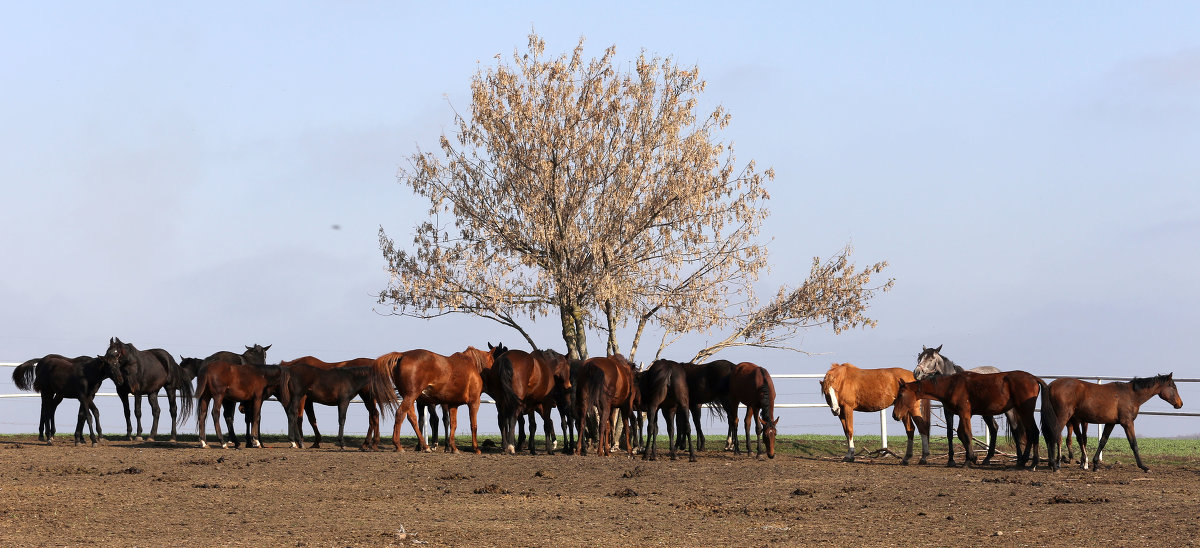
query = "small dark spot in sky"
x=336 y=227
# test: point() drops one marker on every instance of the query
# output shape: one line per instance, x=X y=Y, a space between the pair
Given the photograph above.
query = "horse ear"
x=267 y=347
x=924 y=348
x=490 y=347
x=776 y=421
x=938 y=349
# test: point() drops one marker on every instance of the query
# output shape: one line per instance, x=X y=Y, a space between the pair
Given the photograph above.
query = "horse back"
x=869 y=389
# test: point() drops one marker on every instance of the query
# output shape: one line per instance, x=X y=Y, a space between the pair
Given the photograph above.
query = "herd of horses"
x=592 y=396
x=988 y=392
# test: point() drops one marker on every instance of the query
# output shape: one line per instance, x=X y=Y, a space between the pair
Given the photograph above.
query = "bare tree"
x=576 y=188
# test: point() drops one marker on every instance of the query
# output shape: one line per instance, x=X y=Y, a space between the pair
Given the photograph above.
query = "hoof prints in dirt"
x=1067 y=499
x=491 y=489
x=636 y=472
x=624 y=493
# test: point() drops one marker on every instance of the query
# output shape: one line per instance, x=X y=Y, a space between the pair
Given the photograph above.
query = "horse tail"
x=283 y=390
x=178 y=378
x=595 y=391
x=383 y=390
x=1050 y=428
x=507 y=395
x=387 y=363
x=25 y=375
x=202 y=384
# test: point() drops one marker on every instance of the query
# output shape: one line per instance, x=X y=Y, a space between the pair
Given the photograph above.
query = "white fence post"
x=883 y=428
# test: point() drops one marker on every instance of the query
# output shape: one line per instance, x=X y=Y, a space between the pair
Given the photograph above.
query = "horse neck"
x=1142 y=395
x=936 y=388
x=949 y=367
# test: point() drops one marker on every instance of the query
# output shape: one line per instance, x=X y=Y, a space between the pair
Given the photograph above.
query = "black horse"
x=708 y=385
x=664 y=386
x=145 y=372
x=56 y=377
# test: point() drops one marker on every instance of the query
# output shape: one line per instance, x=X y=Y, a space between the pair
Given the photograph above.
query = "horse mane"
x=1143 y=383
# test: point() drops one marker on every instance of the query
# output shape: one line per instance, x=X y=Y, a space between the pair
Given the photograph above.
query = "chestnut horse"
x=528 y=382
x=848 y=389
x=751 y=385
x=967 y=393
x=604 y=384
x=372 y=435
x=1076 y=403
x=337 y=386
x=451 y=380
x=244 y=383
x=665 y=386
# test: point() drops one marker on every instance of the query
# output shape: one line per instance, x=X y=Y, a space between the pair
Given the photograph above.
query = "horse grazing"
x=665 y=386
x=337 y=386
x=967 y=393
x=372 y=435
x=751 y=385
x=604 y=384
x=244 y=383
x=1076 y=403
x=145 y=372
x=451 y=380
x=931 y=363
x=56 y=377
x=848 y=389
x=528 y=383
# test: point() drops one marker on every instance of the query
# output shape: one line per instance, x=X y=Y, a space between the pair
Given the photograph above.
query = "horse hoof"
x=922 y=461
x=315 y=445
x=847 y=459
x=904 y=462
x=137 y=438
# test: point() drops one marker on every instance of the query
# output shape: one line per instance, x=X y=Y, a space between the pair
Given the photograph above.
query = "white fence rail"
x=883 y=415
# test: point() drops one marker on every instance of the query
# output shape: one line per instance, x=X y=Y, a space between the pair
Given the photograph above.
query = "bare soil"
x=148 y=494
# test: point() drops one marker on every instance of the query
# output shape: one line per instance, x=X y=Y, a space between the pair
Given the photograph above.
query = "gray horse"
x=931 y=363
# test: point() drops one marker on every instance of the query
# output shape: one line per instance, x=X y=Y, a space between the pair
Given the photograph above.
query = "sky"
x=200 y=178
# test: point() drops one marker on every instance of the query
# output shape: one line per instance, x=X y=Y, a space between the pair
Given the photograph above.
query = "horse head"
x=112 y=369
x=1168 y=392
x=769 y=434
x=930 y=363
x=116 y=352
x=906 y=395
x=256 y=354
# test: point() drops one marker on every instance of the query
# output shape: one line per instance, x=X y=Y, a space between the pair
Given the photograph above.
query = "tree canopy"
x=600 y=194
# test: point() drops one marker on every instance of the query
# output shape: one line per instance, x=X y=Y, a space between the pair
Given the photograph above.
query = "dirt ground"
x=148 y=494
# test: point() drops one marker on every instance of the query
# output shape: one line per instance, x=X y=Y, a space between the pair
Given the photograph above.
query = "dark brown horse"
x=751 y=385
x=665 y=386
x=245 y=383
x=1076 y=403
x=967 y=393
x=309 y=384
x=452 y=380
x=56 y=377
x=145 y=372
x=605 y=384
x=528 y=383
x=256 y=354
x=372 y=435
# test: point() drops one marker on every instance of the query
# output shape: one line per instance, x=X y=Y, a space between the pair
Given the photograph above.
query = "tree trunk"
x=573 y=331
x=613 y=346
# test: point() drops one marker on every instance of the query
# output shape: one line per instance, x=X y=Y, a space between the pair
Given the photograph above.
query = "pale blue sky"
x=171 y=174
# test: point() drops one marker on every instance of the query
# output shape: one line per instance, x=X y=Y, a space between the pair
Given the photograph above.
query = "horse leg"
x=746 y=424
x=908 y=430
x=229 y=407
x=548 y=428
x=342 y=405
x=96 y=414
x=669 y=415
x=1081 y=437
x=1128 y=426
x=84 y=415
x=155 y=410
x=310 y=411
x=1108 y=428
x=137 y=414
x=124 y=395
x=992 y=429
x=201 y=415
x=758 y=429
x=964 y=435
x=174 y=409
x=45 y=430
x=218 y=405
x=695 y=412
x=371 y=442
x=949 y=435
x=256 y=408
x=848 y=429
